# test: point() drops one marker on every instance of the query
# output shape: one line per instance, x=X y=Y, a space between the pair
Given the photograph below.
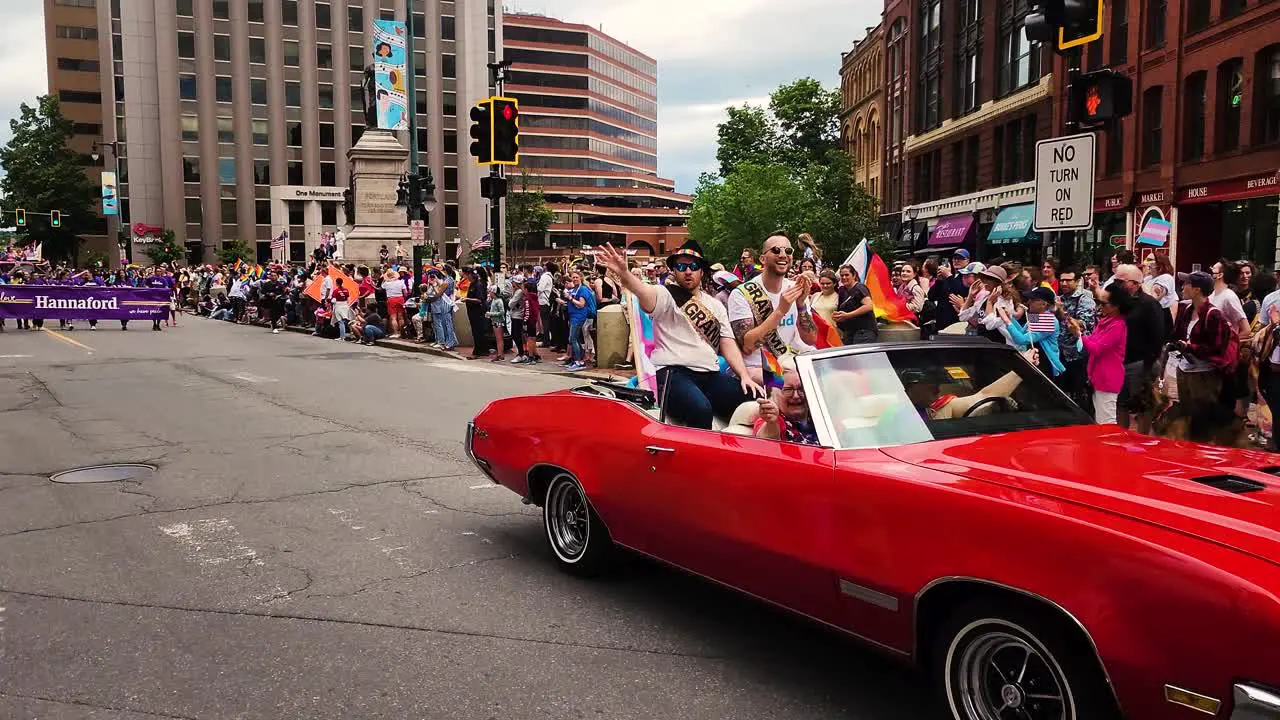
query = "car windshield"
x=899 y=397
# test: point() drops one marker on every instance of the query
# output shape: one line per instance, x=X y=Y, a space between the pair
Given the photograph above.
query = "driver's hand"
x=768 y=411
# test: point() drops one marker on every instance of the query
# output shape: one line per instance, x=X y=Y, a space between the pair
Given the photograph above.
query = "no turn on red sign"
x=1064 y=183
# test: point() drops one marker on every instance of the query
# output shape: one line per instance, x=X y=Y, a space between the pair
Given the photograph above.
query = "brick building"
x=1202 y=147
x=968 y=96
x=862 y=108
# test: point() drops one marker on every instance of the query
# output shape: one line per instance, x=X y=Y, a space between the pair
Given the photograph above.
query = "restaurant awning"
x=1013 y=225
x=951 y=230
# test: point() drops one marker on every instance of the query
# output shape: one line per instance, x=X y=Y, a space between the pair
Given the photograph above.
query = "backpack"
x=591 y=304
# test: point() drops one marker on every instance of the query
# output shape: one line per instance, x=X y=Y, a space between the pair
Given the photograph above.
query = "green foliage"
x=96 y=259
x=167 y=250
x=528 y=215
x=783 y=169
x=232 y=250
x=43 y=174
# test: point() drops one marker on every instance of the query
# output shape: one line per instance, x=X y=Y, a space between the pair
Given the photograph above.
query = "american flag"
x=277 y=243
x=1041 y=323
x=484 y=243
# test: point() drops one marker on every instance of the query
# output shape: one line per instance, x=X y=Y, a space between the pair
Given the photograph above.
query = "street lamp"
x=114 y=219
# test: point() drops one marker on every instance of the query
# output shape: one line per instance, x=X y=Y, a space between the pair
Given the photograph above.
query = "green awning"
x=1013 y=225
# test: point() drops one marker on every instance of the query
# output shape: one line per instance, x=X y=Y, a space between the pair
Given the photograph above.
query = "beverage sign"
x=1064 y=183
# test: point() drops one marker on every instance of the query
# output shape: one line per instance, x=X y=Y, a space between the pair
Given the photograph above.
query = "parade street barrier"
x=57 y=302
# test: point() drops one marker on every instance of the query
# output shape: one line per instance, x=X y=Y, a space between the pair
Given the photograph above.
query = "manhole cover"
x=104 y=473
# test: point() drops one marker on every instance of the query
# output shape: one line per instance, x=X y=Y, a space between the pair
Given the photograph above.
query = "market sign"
x=1064 y=183
x=1238 y=189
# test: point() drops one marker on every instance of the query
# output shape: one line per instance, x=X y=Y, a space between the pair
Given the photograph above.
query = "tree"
x=43 y=174
x=233 y=250
x=747 y=136
x=528 y=215
x=808 y=122
x=742 y=209
x=167 y=250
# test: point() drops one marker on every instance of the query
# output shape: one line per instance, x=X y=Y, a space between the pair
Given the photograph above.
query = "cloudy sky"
x=710 y=53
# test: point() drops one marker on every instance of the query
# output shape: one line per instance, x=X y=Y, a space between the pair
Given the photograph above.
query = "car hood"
x=1137 y=476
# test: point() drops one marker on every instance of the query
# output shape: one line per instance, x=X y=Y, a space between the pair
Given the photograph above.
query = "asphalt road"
x=314 y=544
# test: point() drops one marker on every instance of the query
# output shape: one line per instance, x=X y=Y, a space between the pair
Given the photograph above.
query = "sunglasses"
x=779 y=250
x=685 y=266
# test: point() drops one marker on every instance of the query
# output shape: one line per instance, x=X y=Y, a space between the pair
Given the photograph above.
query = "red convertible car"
x=950 y=506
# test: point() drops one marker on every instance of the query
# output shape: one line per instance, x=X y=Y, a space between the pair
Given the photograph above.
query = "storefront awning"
x=1013 y=225
x=952 y=230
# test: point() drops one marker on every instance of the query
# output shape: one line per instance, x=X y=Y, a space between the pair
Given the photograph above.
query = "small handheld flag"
x=771 y=370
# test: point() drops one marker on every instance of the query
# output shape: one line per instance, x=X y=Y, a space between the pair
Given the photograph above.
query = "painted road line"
x=6 y=357
x=69 y=341
x=251 y=378
x=486 y=486
x=212 y=542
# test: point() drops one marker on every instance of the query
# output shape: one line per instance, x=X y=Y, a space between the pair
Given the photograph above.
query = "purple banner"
x=59 y=302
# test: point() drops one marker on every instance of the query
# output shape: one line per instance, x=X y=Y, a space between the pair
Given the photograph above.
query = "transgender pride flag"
x=1155 y=232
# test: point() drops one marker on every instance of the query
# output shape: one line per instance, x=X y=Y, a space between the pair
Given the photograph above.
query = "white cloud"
x=23 y=75
x=715 y=53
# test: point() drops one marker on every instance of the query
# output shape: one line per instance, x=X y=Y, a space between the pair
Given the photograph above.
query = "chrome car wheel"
x=999 y=675
x=567 y=519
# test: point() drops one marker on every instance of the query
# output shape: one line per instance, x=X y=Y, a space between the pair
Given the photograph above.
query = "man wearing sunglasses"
x=691 y=330
x=771 y=310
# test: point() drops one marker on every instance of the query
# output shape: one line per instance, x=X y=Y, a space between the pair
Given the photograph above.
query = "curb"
x=411 y=347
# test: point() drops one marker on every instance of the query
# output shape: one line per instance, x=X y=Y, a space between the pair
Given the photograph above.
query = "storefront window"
x=1249 y=230
x=1267 y=94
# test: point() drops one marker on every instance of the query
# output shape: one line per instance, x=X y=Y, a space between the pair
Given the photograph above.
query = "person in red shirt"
x=530 y=318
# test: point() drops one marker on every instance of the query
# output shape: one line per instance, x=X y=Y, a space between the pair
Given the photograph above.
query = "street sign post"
x=417 y=231
x=1064 y=183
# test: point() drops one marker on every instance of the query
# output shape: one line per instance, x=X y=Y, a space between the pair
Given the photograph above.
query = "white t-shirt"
x=1228 y=302
x=740 y=309
x=675 y=340
x=395 y=288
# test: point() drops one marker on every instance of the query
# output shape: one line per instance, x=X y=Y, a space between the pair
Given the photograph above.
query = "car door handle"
x=654 y=450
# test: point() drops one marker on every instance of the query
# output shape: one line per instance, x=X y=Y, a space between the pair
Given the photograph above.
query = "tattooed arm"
x=740 y=330
x=805 y=325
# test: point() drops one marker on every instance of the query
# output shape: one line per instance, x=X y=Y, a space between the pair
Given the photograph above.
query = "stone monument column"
x=377 y=163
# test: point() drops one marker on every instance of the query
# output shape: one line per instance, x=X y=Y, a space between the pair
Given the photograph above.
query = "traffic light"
x=482 y=132
x=506 y=131
x=1064 y=24
x=55 y=218
x=21 y=216
x=1099 y=97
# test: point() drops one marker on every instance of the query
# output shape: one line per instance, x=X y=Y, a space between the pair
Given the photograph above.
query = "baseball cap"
x=1201 y=280
x=961 y=253
x=724 y=277
x=1040 y=293
x=973 y=268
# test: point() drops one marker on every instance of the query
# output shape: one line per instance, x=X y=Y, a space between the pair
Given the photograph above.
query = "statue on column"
x=370 y=98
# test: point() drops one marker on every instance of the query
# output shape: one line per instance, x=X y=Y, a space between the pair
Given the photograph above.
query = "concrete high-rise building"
x=233 y=118
x=589 y=137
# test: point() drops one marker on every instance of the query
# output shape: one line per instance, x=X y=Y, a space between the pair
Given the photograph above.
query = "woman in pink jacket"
x=1105 y=349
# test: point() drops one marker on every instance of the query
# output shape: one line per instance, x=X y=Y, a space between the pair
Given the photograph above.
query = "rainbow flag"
x=236 y=267
x=875 y=275
x=257 y=272
x=643 y=342
x=828 y=336
x=771 y=369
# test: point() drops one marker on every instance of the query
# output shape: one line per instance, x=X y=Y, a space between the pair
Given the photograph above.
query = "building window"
x=258 y=91
x=1194 y=105
x=447 y=30
x=80 y=96
x=191 y=169
x=291 y=53
x=221 y=10
x=355 y=19
x=78 y=65
x=228 y=211
x=261 y=172
x=226 y=130
x=927 y=184
x=74 y=32
x=1014 y=151
x=326 y=135
x=227 y=171
x=261 y=132
x=1156 y=11
x=222 y=88
x=289 y=12
x=295 y=176
x=1232 y=8
x=386 y=14
x=451 y=178
x=324 y=16
x=449 y=66
x=1230 y=103
x=262 y=212
x=450 y=141
x=258 y=50
x=451 y=215
x=929 y=103
x=187 y=87
x=1152 y=125
x=1115 y=149
x=355 y=55
x=419 y=25
x=967 y=81
x=183 y=8
x=1019 y=58
x=190 y=128
x=187 y=45
x=256 y=12
x=450 y=100
x=294 y=133
x=420 y=64
x=1119 y=35
x=1198 y=15
x=86 y=128
x=324 y=57
x=930 y=26
x=194 y=210
x=292 y=93
x=1266 y=94
x=357 y=131
x=328 y=178
x=326 y=95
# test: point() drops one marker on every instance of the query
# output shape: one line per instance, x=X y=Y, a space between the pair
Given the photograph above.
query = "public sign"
x=1064 y=183
x=417 y=231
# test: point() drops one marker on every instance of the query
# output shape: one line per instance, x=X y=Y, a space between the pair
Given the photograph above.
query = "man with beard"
x=771 y=310
x=691 y=331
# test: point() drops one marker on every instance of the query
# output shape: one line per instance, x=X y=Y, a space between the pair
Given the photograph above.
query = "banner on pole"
x=60 y=302
x=110 y=198
x=389 y=64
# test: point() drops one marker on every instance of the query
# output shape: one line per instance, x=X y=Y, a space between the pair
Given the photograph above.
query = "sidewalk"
x=461 y=353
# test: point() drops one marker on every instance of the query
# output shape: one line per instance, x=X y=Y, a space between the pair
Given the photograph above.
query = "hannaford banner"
x=57 y=302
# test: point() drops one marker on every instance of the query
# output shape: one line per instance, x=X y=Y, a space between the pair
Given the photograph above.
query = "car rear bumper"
x=1255 y=702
